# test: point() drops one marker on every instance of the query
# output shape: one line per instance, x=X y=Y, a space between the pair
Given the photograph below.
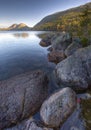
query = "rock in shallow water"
x=57 y=108
x=56 y=56
x=46 y=40
x=21 y=97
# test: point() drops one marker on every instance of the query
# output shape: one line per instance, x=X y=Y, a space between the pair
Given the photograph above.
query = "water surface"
x=20 y=52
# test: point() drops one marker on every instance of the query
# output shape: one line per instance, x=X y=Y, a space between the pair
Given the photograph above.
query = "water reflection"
x=20 y=52
x=21 y=35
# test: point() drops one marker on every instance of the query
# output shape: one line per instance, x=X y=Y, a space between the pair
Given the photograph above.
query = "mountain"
x=17 y=27
x=52 y=21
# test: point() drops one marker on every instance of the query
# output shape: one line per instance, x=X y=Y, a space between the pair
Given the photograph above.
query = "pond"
x=20 y=52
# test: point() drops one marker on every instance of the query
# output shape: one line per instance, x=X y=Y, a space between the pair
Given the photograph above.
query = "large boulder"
x=75 y=71
x=72 y=73
x=21 y=97
x=61 y=41
x=58 y=107
x=29 y=124
x=73 y=47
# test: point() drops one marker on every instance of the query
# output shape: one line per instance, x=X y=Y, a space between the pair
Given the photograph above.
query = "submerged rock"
x=21 y=97
x=29 y=125
x=57 y=108
x=75 y=71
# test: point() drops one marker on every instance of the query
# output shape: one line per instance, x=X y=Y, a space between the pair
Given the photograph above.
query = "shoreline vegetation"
x=26 y=94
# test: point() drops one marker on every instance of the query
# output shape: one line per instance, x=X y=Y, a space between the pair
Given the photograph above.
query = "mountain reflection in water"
x=21 y=35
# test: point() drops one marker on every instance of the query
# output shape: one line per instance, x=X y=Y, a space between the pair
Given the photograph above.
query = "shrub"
x=84 y=41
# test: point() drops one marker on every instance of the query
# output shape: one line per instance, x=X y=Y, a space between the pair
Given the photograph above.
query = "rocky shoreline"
x=24 y=95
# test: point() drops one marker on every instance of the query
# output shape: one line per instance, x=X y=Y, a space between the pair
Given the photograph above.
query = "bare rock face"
x=75 y=71
x=58 y=107
x=61 y=41
x=29 y=125
x=73 y=47
x=21 y=97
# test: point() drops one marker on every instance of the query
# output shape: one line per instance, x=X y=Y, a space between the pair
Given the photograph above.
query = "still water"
x=20 y=52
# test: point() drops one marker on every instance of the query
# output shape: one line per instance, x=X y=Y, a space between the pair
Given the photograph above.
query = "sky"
x=31 y=12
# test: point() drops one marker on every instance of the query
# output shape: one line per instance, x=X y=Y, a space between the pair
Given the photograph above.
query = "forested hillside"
x=66 y=20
